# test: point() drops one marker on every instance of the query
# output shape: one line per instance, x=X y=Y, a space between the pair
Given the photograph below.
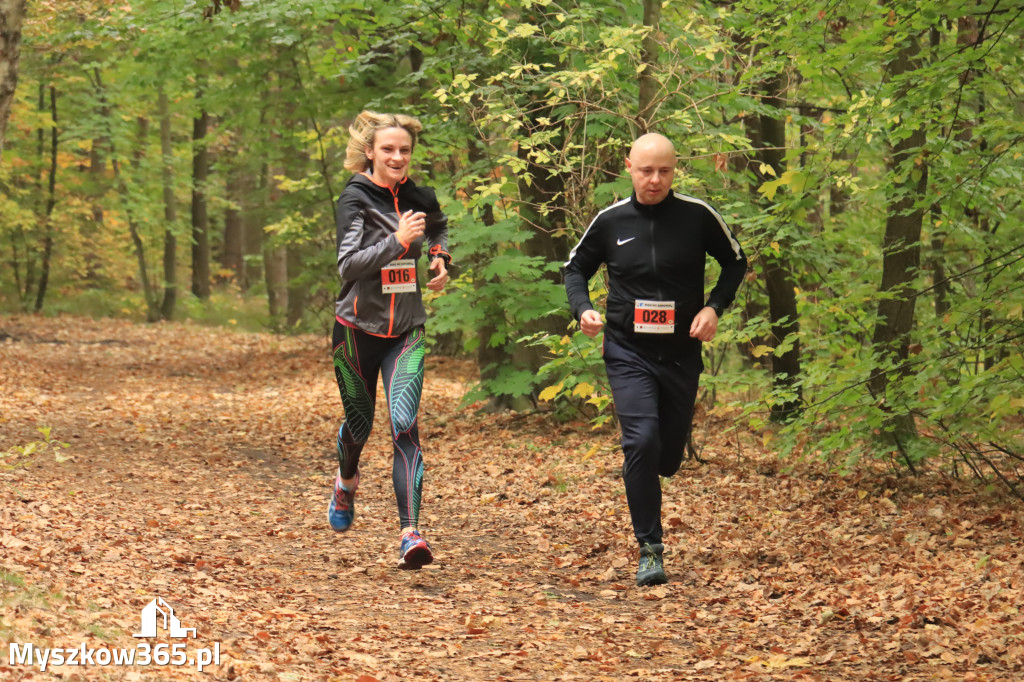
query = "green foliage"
x=529 y=108
x=23 y=455
x=580 y=386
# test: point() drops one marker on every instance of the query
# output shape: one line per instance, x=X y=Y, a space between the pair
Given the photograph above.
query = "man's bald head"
x=651 y=164
x=655 y=143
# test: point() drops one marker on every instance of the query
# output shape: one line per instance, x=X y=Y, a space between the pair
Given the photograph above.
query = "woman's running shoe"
x=342 y=509
x=414 y=551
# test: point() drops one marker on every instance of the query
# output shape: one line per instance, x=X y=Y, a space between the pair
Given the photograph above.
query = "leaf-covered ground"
x=201 y=465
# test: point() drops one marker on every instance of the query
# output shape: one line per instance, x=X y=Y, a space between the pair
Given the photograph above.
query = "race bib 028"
x=398 y=277
x=654 y=317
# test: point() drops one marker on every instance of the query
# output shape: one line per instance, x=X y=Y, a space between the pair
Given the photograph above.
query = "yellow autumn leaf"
x=583 y=389
x=761 y=351
x=550 y=392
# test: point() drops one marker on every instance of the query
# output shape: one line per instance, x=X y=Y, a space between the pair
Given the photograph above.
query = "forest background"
x=181 y=160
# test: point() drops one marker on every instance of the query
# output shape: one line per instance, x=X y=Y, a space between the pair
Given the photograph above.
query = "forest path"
x=202 y=466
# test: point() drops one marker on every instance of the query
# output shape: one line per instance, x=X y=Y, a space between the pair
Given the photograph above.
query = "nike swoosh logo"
x=620 y=242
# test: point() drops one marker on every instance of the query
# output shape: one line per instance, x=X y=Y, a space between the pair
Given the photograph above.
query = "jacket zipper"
x=654 y=260
x=391 y=311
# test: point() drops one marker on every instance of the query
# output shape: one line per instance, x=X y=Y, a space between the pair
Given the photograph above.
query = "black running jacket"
x=655 y=252
x=369 y=248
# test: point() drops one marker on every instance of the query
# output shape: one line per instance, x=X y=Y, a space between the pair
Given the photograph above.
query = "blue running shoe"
x=342 y=509
x=414 y=552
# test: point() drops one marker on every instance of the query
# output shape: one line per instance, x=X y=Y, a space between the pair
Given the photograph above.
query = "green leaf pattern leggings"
x=358 y=360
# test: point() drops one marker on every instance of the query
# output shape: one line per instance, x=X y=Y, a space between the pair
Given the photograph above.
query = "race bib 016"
x=654 y=317
x=398 y=277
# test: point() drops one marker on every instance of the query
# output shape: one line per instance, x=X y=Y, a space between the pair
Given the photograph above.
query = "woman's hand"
x=438 y=282
x=410 y=227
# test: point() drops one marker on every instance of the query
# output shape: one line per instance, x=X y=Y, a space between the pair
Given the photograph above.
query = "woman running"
x=383 y=219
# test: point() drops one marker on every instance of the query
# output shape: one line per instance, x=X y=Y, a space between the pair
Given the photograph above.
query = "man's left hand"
x=705 y=324
x=441 y=278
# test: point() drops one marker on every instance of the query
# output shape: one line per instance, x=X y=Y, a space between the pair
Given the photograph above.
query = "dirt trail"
x=202 y=464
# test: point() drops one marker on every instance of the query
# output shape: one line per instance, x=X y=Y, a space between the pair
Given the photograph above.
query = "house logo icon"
x=151 y=620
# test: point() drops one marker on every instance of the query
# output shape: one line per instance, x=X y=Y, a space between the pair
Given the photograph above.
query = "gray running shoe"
x=651 y=570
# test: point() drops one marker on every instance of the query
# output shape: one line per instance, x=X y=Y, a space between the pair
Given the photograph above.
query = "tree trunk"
x=901 y=254
x=649 y=59
x=51 y=201
x=98 y=179
x=488 y=358
x=200 y=218
x=170 y=296
x=12 y=13
x=297 y=293
x=152 y=306
x=781 y=293
x=275 y=267
x=545 y=190
x=26 y=286
x=940 y=283
x=233 y=257
x=252 y=242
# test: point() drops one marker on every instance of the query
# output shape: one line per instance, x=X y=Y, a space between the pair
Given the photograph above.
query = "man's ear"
x=629 y=165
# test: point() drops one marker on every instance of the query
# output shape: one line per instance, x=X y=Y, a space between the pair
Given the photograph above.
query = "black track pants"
x=654 y=403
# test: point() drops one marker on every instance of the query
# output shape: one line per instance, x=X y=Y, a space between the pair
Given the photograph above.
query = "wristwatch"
x=716 y=307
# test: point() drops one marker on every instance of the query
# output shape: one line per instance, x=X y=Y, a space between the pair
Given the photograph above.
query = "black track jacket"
x=367 y=241
x=655 y=252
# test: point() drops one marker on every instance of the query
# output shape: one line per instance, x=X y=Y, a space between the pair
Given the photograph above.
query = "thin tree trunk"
x=546 y=190
x=488 y=358
x=98 y=180
x=233 y=256
x=12 y=14
x=648 y=85
x=25 y=293
x=940 y=289
x=51 y=202
x=747 y=165
x=297 y=293
x=252 y=244
x=148 y=292
x=901 y=258
x=275 y=268
x=778 y=280
x=200 y=217
x=170 y=296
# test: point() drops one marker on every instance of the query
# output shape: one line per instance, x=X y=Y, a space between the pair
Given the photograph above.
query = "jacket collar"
x=650 y=208
x=373 y=182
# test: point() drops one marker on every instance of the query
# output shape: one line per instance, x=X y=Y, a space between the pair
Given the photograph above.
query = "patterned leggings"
x=358 y=359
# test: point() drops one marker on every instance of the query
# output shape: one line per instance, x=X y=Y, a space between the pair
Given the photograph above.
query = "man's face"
x=651 y=165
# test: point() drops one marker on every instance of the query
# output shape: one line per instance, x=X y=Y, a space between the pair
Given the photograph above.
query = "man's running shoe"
x=651 y=570
x=342 y=509
x=414 y=551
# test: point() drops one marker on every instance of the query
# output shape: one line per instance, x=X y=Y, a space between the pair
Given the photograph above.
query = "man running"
x=655 y=245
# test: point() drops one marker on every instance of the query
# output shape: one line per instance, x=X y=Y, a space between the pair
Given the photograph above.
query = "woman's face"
x=392 y=149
